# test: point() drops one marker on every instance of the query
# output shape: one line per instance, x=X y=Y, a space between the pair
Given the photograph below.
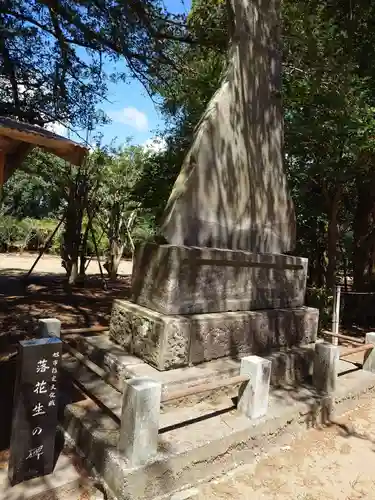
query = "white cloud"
x=131 y=117
x=155 y=145
x=57 y=128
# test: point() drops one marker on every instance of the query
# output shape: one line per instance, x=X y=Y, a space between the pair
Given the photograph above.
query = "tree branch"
x=10 y=70
x=64 y=49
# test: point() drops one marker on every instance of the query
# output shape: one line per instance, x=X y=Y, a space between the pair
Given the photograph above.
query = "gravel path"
x=333 y=463
x=50 y=264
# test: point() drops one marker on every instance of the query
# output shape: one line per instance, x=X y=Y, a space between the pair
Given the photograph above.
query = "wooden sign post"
x=34 y=423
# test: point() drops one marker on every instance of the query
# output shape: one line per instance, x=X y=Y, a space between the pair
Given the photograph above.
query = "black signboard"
x=35 y=409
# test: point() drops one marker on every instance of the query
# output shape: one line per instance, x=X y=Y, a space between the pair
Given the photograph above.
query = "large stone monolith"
x=232 y=191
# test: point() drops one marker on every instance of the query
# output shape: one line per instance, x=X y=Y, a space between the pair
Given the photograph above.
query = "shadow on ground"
x=22 y=302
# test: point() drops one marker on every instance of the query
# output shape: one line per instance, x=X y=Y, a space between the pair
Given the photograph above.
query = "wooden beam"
x=92 y=366
x=200 y=388
x=90 y=329
x=21 y=132
x=354 y=350
x=344 y=337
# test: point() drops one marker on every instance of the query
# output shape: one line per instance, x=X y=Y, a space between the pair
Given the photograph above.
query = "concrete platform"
x=168 y=342
x=179 y=280
x=201 y=448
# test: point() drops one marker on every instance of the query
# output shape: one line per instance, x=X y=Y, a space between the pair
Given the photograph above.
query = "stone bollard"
x=49 y=327
x=326 y=360
x=369 y=359
x=254 y=394
x=140 y=420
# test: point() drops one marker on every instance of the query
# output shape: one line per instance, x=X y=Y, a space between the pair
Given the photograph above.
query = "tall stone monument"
x=223 y=286
x=232 y=190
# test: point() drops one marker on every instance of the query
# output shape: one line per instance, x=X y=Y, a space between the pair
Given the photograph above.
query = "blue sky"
x=132 y=112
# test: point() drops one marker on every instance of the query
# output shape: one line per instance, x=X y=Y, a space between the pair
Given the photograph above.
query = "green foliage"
x=122 y=218
x=144 y=230
x=100 y=238
x=119 y=173
x=156 y=180
x=329 y=127
x=27 y=234
x=35 y=190
x=52 y=54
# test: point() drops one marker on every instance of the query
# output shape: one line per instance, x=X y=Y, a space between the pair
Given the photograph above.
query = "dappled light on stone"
x=232 y=190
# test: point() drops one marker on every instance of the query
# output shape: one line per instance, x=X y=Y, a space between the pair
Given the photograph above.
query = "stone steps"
x=288 y=365
x=109 y=399
x=120 y=365
x=109 y=356
x=196 y=442
x=195 y=433
x=92 y=420
x=95 y=387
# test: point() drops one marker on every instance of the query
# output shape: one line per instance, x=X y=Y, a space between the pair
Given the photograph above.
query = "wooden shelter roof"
x=17 y=139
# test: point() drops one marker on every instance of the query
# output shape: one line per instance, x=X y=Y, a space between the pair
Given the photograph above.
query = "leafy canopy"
x=53 y=54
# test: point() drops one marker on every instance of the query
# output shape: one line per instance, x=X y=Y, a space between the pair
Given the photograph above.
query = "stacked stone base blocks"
x=192 y=305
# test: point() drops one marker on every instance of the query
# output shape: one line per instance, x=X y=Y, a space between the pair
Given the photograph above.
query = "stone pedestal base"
x=168 y=342
x=184 y=280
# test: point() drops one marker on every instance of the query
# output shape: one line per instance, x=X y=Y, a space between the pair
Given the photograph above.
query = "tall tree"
x=117 y=210
x=330 y=122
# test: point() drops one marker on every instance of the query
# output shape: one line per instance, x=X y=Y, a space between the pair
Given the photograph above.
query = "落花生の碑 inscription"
x=34 y=423
x=232 y=191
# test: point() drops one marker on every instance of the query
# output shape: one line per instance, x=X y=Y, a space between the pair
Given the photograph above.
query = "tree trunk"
x=321 y=257
x=72 y=236
x=321 y=268
x=332 y=236
x=345 y=266
x=332 y=248
x=73 y=275
x=361 y=228
x=129 y=228
x=116 y=251
x=317 y=270
x=117 y=238
x=83 y=252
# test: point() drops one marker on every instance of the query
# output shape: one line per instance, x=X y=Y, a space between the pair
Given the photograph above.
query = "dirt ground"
x=332 y=463
x=51 y=264
x=46 y=294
